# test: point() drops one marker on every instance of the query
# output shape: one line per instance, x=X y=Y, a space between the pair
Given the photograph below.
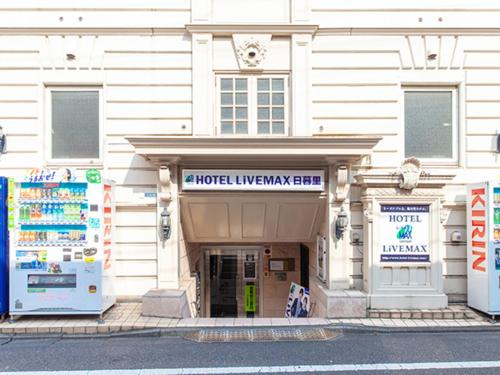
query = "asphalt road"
x=177 y=352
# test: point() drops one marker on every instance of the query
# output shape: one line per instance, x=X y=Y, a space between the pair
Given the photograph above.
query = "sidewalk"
x=126 y=317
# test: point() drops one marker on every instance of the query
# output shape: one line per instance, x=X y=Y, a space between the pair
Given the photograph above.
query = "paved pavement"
x=391 y=353
x=126 y=317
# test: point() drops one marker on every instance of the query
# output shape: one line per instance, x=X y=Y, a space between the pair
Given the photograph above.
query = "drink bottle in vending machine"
x=61 y=260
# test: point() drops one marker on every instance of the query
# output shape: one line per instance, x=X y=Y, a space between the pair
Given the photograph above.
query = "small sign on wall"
x=282 y=264
x=405 y=231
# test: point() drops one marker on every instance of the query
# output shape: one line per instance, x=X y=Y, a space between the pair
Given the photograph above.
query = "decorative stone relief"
x=368 y=211
x=410 y=172
x=444 y=212
x=251 y=50
x=397 y=193
x=165 y=181
x=342 y=185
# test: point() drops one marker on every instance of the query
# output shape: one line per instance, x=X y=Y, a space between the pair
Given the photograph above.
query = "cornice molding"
x=274 y=29
x=392 y=180
x=178 y=149
x=91 y=31
x=453 y=31
x=229 y=29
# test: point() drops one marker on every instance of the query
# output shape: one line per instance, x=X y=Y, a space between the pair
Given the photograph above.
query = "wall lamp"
x=341 y=223
x=3 y=141
x=165 y=224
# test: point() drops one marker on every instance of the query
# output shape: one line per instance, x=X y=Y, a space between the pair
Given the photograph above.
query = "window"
x=74 y=124
x=431 y=126
x=252 y=105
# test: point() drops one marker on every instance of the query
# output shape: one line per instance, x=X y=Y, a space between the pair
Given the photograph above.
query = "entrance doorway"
x=232 y=282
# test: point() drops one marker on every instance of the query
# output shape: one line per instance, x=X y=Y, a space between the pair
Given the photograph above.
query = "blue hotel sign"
x=252 y=180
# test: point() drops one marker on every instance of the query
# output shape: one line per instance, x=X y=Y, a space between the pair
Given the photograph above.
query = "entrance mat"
x=263 y=334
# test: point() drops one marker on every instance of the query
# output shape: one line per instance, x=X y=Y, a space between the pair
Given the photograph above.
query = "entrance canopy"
x=262 y=151
x=249 y=218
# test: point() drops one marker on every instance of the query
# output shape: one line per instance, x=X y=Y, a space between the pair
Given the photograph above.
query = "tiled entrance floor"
x=124 y=317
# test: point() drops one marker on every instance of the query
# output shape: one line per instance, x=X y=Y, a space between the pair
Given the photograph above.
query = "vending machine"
x=61 y=246
x=483 y=247
x=4 y=249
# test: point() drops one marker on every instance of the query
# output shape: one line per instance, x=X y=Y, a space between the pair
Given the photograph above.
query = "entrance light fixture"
x=3 y=141
x=165 y=224
x=341 y=223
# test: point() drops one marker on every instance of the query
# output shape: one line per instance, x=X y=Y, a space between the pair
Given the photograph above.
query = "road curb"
x=181 y=331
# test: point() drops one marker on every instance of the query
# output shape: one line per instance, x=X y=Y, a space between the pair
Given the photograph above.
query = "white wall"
x=140 y=52
x=146 y=84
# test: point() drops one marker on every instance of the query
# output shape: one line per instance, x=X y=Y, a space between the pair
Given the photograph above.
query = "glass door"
x=232 y=285
x=223 y=279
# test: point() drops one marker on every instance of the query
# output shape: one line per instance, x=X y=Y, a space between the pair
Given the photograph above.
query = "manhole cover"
x=268 y=334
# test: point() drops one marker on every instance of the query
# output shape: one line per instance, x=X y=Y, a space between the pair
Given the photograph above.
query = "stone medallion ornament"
x=252 y=53
x=251 y=50
x=410 y=172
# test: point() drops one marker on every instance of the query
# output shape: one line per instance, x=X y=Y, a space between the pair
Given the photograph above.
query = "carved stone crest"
x=251 y=50
x=410 y=172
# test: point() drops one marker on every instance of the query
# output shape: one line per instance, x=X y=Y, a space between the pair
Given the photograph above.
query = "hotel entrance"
x=232 y=282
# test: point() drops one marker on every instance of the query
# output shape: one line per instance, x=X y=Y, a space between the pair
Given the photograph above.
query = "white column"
x=203 y=84
x=168 y=251
x=301 y=84
x=339 y=249
x=300 y=11
x=201 y=11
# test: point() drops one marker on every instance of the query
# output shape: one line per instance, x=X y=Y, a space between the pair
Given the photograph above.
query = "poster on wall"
x=404 y=233
x=298 y=303
x=321 y=257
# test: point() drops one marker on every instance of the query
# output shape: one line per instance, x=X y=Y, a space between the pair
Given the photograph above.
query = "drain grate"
x=256 y=335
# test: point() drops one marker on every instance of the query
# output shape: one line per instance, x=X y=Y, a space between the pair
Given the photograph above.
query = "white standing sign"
x=252 y=180
x=405 y=235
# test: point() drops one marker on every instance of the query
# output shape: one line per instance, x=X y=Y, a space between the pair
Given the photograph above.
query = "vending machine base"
x=99 y=315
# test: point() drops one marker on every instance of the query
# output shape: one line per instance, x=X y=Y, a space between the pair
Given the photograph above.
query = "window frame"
x=252 y=104
x=455 y=123
x=48 y=126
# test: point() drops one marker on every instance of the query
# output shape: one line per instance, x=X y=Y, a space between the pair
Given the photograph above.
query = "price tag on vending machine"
x=10 y=204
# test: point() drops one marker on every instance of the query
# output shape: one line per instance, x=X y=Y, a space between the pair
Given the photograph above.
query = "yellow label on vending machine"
x=10 y=204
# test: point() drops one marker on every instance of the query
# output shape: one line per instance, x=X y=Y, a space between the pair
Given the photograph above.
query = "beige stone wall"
x=189 y=255
x=276 y=292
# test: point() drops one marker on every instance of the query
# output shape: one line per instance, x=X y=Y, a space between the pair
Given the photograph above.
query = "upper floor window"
x=74 y=123
x=431 y=124
x=253 y=105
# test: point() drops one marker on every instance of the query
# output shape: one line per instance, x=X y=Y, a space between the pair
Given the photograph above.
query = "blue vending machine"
x=4 y=249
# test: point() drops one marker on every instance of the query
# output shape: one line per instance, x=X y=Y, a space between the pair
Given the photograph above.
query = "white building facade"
x=393 y=106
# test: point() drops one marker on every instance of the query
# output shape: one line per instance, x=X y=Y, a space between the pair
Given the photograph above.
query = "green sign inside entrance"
x=250 y=298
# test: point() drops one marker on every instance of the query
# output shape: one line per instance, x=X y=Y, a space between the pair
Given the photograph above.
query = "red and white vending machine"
x=61 y=250
x=483 y=247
